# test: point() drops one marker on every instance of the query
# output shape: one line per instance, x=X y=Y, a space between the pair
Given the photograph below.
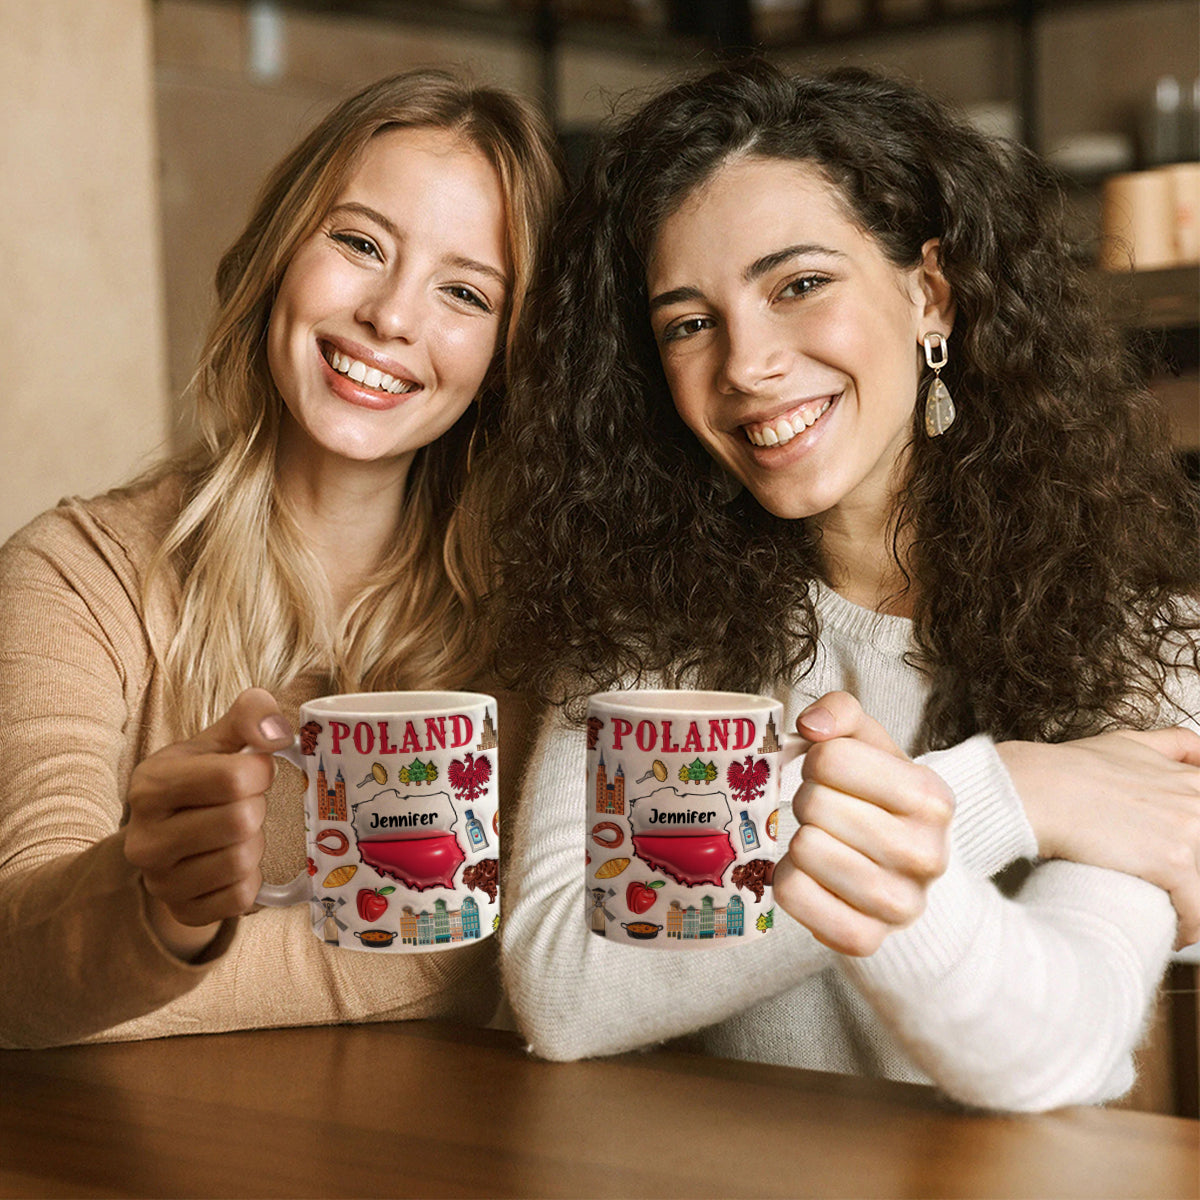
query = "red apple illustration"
x=372 y=902
x=640 y=897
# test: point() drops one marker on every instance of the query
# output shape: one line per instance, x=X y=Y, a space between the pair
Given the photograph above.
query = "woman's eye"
x=801 y=287
x=688 y=327
x=468 y=296
x=357 y=243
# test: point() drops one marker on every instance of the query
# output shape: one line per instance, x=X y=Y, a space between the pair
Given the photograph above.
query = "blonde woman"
x=321 y=537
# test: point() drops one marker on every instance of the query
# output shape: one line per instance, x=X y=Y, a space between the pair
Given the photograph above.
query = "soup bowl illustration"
x=376 y=939
x=642 y=930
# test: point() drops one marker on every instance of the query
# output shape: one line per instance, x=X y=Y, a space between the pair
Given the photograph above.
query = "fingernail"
x=818 y=719
x=275 y=728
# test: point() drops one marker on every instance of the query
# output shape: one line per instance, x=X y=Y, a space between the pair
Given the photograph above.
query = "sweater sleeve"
x=574 y=994
x=79 y=952
x=1030 y=1003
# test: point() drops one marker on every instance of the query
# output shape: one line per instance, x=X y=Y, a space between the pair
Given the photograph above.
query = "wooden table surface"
x=423 y=1109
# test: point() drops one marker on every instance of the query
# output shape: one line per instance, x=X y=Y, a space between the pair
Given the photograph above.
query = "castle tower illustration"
x=770 y=742
x=610 y=795
x=331 y=801
x=487 y=735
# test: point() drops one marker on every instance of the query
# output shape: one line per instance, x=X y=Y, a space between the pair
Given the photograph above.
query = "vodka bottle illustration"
x=747 y=832
x=475 y=833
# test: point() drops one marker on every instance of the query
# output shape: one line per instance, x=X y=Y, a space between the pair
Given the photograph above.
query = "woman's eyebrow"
x=756 y=270
x=762 y=266
x=364 y=210
x=675 y=296
x=389 y=227
x=472 y=264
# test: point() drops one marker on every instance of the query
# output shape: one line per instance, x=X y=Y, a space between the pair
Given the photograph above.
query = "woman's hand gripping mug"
x=401 y=820
x=682 y=816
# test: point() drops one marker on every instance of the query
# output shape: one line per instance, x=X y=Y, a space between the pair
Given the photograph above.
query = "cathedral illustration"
x=610 y=797
x=331 y=801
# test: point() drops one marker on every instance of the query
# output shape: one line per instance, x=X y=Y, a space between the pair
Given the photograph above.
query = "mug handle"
x=280 y=895
x=794 y=746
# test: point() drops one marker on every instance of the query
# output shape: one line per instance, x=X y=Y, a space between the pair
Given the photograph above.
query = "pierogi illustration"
x=685 y=835
x=410 y=837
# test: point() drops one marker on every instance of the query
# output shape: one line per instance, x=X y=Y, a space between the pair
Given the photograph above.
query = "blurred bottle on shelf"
x=1151 y=218
x=1163 y=124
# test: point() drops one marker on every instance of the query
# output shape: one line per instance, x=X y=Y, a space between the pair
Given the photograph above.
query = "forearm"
x=1025 y=1004
x=80 y=954
x=574 y=994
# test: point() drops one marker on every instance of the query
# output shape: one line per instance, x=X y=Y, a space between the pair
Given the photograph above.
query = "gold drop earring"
x=939 y=407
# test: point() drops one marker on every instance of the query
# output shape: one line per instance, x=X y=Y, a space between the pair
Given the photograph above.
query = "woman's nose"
x=754 y=356
x=394 y=309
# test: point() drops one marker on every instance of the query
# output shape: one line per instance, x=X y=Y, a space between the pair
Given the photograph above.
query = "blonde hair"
x=254 y=605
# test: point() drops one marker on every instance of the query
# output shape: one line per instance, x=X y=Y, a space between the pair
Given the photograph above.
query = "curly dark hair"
x=1053 y=560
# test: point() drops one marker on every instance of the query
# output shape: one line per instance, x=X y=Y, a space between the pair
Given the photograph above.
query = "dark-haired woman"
x=817 y=404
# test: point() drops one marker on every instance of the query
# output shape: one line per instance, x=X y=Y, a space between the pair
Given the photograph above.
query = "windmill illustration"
x=598 y=914
x=325 y=914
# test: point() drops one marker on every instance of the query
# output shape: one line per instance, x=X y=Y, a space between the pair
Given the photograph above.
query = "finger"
x=159 y=846
x=874 y=775
x=252 y=720
x=914 y=848
x=232 y=870
x=885 y=896
x=168 y=782
x=829 y=918
x=838 y=714
x=1176 y=743
x=232 y=901
x=1183 y=883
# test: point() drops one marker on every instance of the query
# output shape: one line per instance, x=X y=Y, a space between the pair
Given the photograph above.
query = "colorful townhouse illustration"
x=440 y=927
x=331 y=801
x=610 y=795
x=706 y=921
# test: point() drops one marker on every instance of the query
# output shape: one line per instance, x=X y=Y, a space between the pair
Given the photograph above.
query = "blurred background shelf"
x=681 y=32
x=1166 y=299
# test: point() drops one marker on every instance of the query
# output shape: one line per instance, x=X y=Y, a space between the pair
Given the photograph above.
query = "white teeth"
x=781 y=431
x=369 y=376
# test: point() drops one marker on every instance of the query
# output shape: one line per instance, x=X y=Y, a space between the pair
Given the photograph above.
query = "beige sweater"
x=82 y=702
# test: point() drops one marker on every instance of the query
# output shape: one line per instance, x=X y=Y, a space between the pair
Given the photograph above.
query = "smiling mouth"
x=782 y=429
x=368 y=377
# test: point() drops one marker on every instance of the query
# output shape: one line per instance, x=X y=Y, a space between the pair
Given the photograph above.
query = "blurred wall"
x=143 y=129
x=82 y=304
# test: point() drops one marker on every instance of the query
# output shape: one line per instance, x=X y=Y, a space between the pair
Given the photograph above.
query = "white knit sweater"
x=1024 y=1004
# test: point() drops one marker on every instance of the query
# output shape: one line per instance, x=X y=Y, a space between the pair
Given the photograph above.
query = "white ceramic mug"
x=682 y=816
x=401 y=820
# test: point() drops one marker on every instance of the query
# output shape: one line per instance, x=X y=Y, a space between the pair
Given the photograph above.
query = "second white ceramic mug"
x=682 y=816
